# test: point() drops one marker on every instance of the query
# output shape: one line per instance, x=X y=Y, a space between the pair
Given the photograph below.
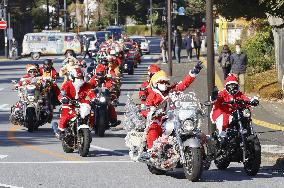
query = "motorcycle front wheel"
x=84 y=138
x=254 y=156
x=66 y=148
x=193 y=166
x=30 y=121
x=101 y=123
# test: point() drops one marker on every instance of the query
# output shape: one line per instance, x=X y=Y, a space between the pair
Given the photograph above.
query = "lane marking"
x=110 y=150
x=1 y=89
x=63 y=162
x=10 y=186
x=265 y=124
x=11 y=137
x=275 y=149
x=3 y=156
x=5 y=107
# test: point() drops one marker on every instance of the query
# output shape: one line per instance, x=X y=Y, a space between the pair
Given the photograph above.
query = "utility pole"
x=151 y=17
x=88 y=17
x=170 y=63
x=65 y=16
x=117 y=13
x=5 y=31
x=47 y=13
x=210 y=58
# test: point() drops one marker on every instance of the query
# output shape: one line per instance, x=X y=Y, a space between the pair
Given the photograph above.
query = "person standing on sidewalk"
x=225 y=60
x=164 y=48
x=178 y=45
x=187 y=44
x=197 y=43
x=239 y=63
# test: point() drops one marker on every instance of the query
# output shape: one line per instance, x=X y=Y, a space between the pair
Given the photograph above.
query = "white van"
x=50 y=43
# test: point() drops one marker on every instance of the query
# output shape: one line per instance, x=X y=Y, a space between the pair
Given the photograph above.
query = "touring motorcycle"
x=34 y=107
x=181 y=142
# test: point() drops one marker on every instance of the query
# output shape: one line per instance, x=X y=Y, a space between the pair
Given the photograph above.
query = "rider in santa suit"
x=221 y=113
x=160 y=90
x=76 y=88
x=101 y=80
x=145 y=87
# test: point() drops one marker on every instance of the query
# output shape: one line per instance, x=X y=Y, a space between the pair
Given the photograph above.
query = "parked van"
x=50 y=43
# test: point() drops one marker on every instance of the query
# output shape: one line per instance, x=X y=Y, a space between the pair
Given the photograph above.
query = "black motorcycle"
x=77 y=134
x=100 y=108
x=240 y=144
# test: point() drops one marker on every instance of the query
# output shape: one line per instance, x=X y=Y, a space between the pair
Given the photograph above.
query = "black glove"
x=143 y=97
x=214 y=94
x=254 y=102
x=64 y=100
x=197 y=68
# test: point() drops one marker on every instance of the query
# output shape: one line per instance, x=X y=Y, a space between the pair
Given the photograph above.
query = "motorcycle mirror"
x=14 y=81
x=207 y=103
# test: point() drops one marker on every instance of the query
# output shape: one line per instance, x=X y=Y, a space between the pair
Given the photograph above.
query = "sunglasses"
x=164 y=82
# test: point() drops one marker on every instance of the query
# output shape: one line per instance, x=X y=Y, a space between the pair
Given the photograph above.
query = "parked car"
x=144 y=43
x=50 y=43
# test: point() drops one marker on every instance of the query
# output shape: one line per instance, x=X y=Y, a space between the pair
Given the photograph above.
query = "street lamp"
x=169 y=27
x=210 y=57
x=151 y=17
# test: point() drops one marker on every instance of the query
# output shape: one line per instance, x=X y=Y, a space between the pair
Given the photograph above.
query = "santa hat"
x=100 y=68
x=231 y=79
x=152 y=69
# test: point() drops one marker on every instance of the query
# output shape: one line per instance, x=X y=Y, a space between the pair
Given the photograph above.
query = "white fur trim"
x=232 y=82
x=192 y=75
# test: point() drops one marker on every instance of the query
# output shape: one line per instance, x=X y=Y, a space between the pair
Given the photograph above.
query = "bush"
x=138 y=30
x=260 y=50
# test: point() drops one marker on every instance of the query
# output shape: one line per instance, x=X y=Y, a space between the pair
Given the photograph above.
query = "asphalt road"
x=37 y=159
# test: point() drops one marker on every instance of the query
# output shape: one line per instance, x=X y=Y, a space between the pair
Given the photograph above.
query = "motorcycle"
x=77 y=134
x=100 y=108
x=240 y=144
x=180 y=143
x=33 y=109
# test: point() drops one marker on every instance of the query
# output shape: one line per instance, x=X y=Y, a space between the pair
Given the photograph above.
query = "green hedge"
x=144 y=30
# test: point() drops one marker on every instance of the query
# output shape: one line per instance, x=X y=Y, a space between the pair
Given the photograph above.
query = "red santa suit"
x=50 y=74
x=108 y=84
x=220 y=114
x=155 y=98
x=73 y=92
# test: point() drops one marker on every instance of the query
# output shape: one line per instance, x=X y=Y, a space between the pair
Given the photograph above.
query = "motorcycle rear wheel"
x=193 y=167
x=85 y=140
x=155 y=170
x=253 y=164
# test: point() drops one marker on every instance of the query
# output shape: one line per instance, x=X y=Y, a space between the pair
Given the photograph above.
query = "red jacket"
x=94 y=83
x=156 y=97
x=44 y=73
x=220 y=108
x=145 y=89
x=84 y=92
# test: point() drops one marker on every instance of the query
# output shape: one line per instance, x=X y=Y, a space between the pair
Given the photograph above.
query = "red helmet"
x=232 y=84
x=152 y=69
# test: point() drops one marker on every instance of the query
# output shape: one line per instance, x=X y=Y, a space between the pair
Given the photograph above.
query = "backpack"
x=225 y=62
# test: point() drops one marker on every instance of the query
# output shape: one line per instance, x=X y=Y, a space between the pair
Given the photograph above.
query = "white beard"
x=77 y=85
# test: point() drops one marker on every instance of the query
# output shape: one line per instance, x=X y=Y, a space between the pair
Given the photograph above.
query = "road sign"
x=3 y=24
x=181 y=11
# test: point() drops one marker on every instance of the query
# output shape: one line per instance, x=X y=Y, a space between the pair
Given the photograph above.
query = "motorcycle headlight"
x=188 y=125
x=125 y=66
x=246 y=113
x=102 y=99
x=31 y=98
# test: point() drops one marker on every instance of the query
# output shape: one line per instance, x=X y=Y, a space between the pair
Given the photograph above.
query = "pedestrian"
x=14 y=48
x=239 y=63
x=197 y=43
x=225 y=60
x=164 y=48
x=177 y=44
x=188 y=46
x=86 y=43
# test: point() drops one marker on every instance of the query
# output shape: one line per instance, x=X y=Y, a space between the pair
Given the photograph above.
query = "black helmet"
x=47 y=64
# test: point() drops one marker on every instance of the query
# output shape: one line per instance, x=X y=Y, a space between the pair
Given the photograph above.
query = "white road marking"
x=63 y=162
x=10 y=186
x=4 y=107
x=274 y=149
x=3 y=156
x=106 y=149
x=1 y=89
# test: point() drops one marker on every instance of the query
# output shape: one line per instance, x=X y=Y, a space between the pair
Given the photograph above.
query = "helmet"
x=100 y=71
x=159 y=76
x=76 y=73
x=47 y=64
x=152 y=69
x=232 y=84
